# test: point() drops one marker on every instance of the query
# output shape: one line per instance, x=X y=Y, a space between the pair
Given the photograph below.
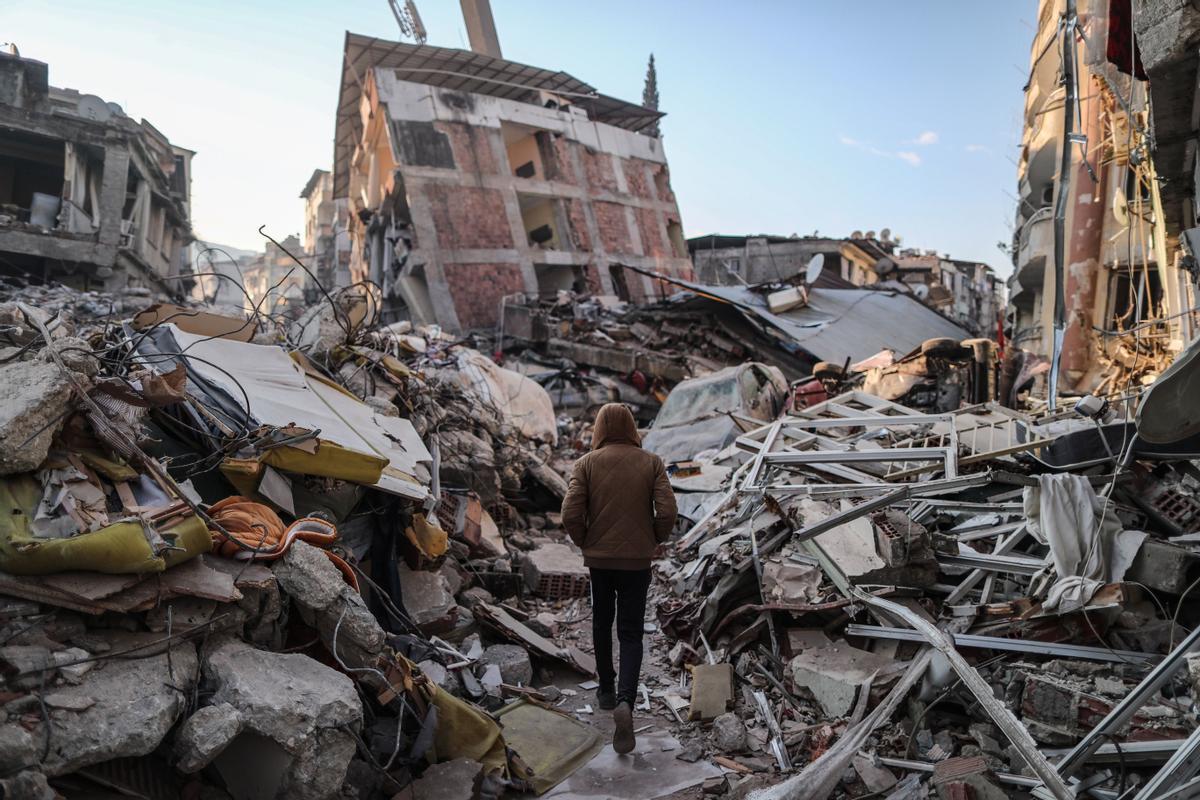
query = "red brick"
x=471 y=148
x=662 y=184
x=592 y=274
x=651 y=233
x=635 y=177
x=563 y=171
x=469 y=217
x=579 y=232
x=614 y=229
x=477 y=290
x=598 y=167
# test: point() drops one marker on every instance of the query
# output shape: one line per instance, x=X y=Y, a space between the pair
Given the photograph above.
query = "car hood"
x=682 y=442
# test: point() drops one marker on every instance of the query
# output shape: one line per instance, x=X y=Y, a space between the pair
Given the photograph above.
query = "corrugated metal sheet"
x=839 y=323
x=463 y=71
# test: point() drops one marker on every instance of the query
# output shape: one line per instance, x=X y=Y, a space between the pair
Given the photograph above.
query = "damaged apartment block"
x=470 y=178
x=88 y=197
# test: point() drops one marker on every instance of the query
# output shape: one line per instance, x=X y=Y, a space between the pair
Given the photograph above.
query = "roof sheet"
x=841 y=323
x=462 y=71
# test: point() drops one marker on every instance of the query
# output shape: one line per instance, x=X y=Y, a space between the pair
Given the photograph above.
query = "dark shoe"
x=606 y=700
x=623 y=739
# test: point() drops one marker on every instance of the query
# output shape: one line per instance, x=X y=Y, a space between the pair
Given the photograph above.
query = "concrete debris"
x=294 y=713
x=205 y=734
x=34 y=399
x=729 y=733
x=834 y=675
x=446 y=781
x=512 y=661
x=427 y=599
x=124 y=709
x=555 y=570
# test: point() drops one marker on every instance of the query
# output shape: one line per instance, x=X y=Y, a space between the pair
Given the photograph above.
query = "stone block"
x=834 y=674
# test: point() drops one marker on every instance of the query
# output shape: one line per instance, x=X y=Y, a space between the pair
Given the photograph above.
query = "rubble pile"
x=978 y=603
x=263 y=558
x=247 y=556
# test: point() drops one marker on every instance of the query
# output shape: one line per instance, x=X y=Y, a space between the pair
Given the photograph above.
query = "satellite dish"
x=856 y=235
x=93 y=108
x=921 y=291
x=885 y=235
x=1120 y=207
x=884 y=265
x=813 y=271
x=870 y=234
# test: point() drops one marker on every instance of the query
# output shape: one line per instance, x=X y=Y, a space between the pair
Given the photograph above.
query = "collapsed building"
x=1105 y=195
x=470 y=178
x=967 y=292
x=88 y=196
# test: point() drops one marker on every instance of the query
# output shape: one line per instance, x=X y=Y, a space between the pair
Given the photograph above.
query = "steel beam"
x=1001 y=643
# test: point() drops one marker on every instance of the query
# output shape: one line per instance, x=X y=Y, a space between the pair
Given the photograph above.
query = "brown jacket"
x=619 y=505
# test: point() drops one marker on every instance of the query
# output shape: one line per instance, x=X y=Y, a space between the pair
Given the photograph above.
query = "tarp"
x=1087 y=543
x=837 y=324
x=520 y=400
x=366 y=447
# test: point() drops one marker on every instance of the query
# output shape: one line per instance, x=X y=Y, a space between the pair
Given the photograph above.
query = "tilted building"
x=468 y=178
x=1117 y=201
x=88 y=196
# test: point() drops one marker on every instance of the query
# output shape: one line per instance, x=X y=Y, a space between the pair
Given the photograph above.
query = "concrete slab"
x=834 y=674
x=650 y=771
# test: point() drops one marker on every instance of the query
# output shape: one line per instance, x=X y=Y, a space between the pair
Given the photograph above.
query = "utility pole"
x=1064 y=190
x=481 y=27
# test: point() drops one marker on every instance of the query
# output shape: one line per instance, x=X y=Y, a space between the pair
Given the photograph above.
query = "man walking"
x=619 y=507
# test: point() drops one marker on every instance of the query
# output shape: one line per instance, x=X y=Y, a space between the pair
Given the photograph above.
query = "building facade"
x=274 y=283
x=88 y=196
x=468 y=179
x=1091 y=215
x=326 y=232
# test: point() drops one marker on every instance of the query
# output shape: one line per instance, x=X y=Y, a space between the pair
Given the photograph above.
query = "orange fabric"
x=261 y=535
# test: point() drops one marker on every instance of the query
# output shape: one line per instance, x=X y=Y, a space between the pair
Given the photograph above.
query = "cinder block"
x=556 y=571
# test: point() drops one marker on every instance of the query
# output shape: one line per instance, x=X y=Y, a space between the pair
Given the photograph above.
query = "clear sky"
x=783 y=117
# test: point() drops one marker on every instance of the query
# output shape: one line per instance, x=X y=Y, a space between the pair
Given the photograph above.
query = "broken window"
x=675 y=234
x=555 y=278
x=543 y=220
x=31 y=167
x=525 y=150
x=1134 y=295
x=620 y=286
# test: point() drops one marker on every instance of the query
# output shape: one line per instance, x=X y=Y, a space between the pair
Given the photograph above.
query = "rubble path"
x=661 y=739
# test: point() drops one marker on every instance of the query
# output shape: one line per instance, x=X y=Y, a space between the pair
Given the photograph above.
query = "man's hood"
x=615 y=425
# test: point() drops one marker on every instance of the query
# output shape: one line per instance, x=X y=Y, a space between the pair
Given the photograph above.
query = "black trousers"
x=619 y=594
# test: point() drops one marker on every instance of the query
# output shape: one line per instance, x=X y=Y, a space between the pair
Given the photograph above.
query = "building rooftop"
x=462 y=71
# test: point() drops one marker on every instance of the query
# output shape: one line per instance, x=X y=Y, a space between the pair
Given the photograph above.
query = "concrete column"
x=481 y=27
x=1084 y=228
x=113 y=181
